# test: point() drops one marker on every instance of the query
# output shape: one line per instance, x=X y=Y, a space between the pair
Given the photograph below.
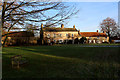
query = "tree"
x=48 y=24
x=108 y=25
x=116 y=31
x=19 y=13
x=82 y=40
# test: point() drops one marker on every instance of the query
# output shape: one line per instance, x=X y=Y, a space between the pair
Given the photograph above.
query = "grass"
x=91 y=44
x=63 y=62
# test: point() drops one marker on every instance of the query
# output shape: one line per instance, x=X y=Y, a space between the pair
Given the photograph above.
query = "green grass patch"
x=63 y=62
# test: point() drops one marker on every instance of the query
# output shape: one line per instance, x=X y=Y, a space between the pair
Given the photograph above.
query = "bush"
x=69 y=42
x=82 y=40
x=76 y=41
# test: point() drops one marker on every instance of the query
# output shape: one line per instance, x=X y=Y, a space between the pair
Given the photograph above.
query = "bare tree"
x=116 y=31
x=17 y=14
x=108 y=25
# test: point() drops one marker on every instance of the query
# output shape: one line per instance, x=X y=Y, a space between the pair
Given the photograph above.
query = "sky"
x=91 y=15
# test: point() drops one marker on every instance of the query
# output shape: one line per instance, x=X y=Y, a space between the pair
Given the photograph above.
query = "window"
x=48 y=35
x=90 y=41
x=103 y=41
x=89 y=37
x=60 y=35
x=60 y=41
x=66 y=40
x=93 y=41
x=54 y=41
x=54 y=35
x=66 y=35
x=72 y=35
x=48 y=40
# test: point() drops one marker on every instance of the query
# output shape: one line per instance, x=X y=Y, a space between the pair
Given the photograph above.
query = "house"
x=19 y=38
x=63 y=35
x=59 y=35
x=95 y=37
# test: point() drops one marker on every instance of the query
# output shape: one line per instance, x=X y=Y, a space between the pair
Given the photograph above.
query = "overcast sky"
x=92 y=13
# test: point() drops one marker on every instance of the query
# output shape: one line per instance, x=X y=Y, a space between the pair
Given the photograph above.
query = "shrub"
x=69 y=42
x=82 y=40
x=76 y=41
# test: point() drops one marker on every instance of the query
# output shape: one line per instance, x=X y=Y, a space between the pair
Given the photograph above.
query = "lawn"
x=63 y=62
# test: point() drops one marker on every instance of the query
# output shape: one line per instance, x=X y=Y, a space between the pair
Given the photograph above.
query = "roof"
x=20 y=34
x=92 y=34
x=115 y=38
x=58 y=29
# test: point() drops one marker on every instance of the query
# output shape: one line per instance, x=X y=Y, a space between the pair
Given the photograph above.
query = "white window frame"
x=48 y=35
x=60 y=40
x=72 y=35
x=60 y=35
x=94 y=41
x=90 y=41
x=103 y=40
x=66 y=35
x=98 y=37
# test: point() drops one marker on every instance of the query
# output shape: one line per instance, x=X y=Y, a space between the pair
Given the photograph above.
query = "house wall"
x=13 y=40
x=63 y=36
x=97 y=39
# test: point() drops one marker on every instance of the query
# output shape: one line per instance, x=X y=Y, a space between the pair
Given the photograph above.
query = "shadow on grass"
x=51 y=62
x=87 y=54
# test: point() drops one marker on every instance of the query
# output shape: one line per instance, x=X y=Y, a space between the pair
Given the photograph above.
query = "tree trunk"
x=109 y=37
x=109 y=34
x=3 y=13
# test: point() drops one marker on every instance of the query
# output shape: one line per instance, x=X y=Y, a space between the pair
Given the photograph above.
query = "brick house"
x=95 y=37
x=19 y=38
x=59 y=35
x=63 y=35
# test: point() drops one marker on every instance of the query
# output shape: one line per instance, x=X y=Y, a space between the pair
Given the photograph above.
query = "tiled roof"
x=20 y=34
x=93 y=34
x=59 y=29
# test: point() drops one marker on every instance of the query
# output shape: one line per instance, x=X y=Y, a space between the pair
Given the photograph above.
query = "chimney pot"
x=97 y=30
x=62 y=26
x=74 y=26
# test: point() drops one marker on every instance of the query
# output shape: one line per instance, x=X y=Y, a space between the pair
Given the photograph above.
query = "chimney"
x=41 y=26
x=97 y=30
x=74 y=26
x=62 y=26
x=104 y=32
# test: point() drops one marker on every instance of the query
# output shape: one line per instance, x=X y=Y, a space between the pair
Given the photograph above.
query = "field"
x=63 y=62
